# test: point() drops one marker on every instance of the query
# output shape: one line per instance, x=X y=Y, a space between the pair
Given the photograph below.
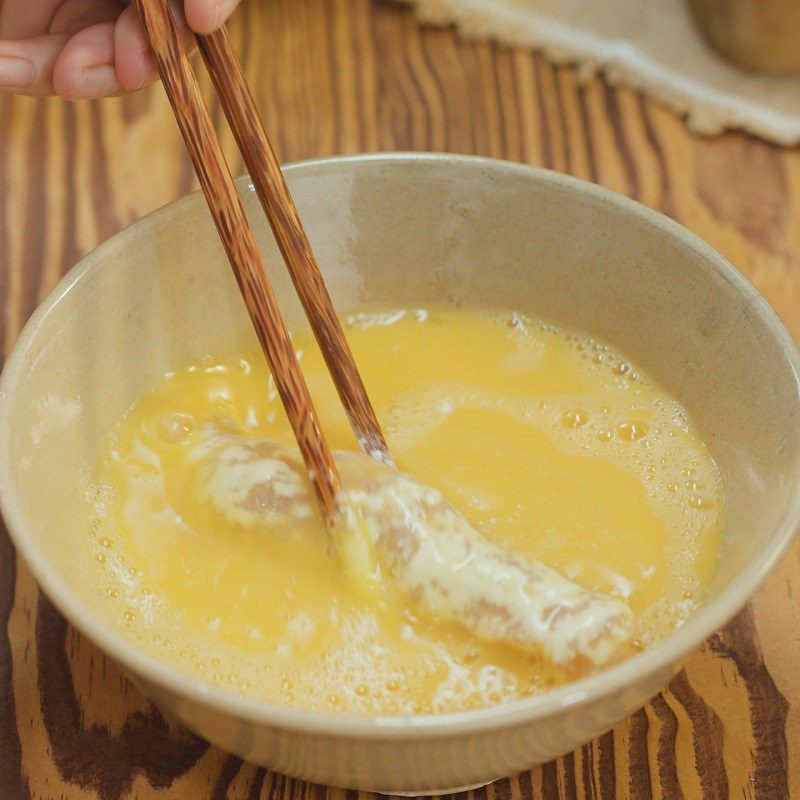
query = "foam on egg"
x=551 y=443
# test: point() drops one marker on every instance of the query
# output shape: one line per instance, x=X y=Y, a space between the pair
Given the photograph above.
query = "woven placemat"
x=650 y=44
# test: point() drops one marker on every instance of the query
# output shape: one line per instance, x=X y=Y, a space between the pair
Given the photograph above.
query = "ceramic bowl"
x=407 y=229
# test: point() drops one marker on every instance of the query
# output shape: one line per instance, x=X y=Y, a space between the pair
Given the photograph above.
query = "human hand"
x=81 y=49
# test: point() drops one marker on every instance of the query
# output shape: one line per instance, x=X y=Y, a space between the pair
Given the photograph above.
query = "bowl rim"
x=667 y=654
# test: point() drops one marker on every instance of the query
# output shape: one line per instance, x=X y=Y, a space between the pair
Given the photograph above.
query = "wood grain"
x=237 y=238
x=265 y=172
x=342 y=76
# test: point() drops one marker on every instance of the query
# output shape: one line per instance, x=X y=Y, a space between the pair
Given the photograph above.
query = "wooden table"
x=344 y=76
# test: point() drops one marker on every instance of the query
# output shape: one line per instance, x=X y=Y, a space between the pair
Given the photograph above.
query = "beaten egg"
x=550 y=443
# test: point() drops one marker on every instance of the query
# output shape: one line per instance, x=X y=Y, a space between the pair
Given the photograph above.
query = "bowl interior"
x=405 y=230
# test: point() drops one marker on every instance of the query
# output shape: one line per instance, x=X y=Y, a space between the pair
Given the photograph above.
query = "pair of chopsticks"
x=217 y=184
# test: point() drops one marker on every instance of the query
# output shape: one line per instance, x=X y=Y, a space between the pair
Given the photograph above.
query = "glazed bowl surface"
x=404 y=229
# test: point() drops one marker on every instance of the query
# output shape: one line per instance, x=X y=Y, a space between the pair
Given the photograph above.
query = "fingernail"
x=15 y=73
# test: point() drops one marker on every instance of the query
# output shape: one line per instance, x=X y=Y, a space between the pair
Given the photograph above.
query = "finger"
x=206 y=16
x=85 y=68
x=133 y=58
x=26 y=65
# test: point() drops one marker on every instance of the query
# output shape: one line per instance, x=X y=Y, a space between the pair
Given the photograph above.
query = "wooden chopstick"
x=226 y=207
x=265 y=172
